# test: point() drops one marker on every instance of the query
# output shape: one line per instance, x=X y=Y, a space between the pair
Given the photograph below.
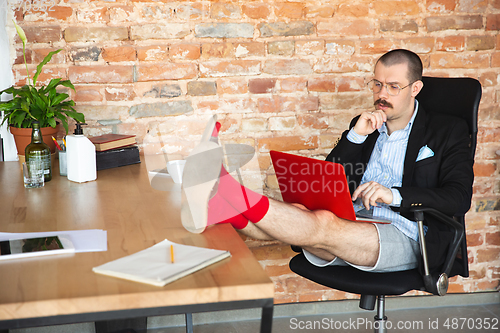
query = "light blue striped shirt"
x=386 y=168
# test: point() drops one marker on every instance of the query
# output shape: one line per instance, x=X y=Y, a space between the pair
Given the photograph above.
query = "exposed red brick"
x=48 y=73
x=217 y=50
x=232 y=86
x=319 y=10
x=493 y=238
x=256 y=10
x=484 y=169
x=440 y=6
x=166 y=71
x=229 y=68
x=479 y=43
x=420 y=44
x=287 y=143
x=474 y=240
x=495 y=59
x=316 y=121
x=58 y=58
x=249 y=49
x=322 y=84
x=101 y=74
x=44 y=34
x=225 y=10
x=117 y=54
x=58 y=12
x=88 y=93
x=450 y=43
x=493 y=22
x=261 y=86
x=350 y=9
x=460 y=60
x=488 y=255
x=119 y=93
x=152 y=53
x=359 y=27
x=346 y=83
x=377 y=46
x=293 y=10
x=396 y=8
x=293 y=84
x=488 y=285
x=185 y=51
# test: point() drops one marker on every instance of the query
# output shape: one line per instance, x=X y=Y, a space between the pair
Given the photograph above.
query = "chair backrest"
x=457 y=97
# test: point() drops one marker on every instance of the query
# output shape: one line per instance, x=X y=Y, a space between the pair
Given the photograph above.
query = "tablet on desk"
x=34 y=247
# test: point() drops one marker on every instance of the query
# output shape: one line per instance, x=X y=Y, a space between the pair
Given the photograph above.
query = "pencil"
x=57 y=145
x=172 y=254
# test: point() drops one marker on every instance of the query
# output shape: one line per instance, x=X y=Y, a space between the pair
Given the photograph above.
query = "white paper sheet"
x=154 y=266
x=94 y=240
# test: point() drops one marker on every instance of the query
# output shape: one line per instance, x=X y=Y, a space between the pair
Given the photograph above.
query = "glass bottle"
x=38 y=153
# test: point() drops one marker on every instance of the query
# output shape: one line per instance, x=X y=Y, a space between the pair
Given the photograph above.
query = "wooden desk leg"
x=266 y=322
x=131 y=325
x=189 y=323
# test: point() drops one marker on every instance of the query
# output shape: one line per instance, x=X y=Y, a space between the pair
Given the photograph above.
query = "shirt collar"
x=383 y=128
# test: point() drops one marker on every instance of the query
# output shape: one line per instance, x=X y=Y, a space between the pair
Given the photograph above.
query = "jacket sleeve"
x=445 y=180
x=352 y=156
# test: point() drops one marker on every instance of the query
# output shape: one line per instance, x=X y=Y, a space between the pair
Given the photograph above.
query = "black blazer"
x=443 y=181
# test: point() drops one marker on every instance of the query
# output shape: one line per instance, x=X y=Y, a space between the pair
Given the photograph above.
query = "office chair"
x=453 y=96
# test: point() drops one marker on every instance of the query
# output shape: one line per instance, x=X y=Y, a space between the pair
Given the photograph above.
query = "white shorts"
x=397 y=252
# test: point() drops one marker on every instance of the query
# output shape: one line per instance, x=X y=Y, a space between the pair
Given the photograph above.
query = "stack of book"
x=115 y=150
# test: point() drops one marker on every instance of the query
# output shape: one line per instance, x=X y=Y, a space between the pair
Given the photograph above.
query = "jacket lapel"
x=415 y=142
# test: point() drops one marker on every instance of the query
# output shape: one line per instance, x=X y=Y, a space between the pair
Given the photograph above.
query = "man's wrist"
x=396 y=198
x=354 y=137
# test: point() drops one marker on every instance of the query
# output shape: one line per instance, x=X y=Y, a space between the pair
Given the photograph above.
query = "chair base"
x=367 y=302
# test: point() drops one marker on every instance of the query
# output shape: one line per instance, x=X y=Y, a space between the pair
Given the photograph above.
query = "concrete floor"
x=478 y=312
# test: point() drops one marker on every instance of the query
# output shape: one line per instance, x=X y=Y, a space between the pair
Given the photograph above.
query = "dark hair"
x=401 y=56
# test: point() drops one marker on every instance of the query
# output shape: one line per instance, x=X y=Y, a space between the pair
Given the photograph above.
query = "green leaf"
x=51 y=86
x=52 y=122
x=79 y=117
x=67 y=84
x=45 y=60
x=62 y=118
x=59 y=98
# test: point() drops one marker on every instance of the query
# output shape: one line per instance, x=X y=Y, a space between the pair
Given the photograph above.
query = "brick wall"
x=279 y=75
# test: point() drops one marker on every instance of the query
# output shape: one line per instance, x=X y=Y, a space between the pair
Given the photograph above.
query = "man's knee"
x=325 y=218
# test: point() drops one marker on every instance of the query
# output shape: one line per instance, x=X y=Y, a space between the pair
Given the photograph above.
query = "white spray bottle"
x=81 y=157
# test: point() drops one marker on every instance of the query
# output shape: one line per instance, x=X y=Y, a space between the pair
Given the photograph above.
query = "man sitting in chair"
x=403 y=157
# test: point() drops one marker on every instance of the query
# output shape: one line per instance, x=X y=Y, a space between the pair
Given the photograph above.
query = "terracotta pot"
x=22 y=137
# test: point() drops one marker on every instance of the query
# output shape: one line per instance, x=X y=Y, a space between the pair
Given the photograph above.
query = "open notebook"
x=154 y=265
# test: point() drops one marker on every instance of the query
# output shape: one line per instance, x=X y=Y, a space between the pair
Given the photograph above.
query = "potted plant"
x=43 y=104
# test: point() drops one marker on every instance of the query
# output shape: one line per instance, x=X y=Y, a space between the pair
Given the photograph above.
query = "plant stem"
x=25 y=63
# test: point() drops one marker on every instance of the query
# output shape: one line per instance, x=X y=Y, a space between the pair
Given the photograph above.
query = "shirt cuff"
x=396 y=198
x=355 y=137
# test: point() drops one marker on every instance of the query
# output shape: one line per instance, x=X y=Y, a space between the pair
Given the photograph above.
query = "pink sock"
x=220 y=211
x=250 y=204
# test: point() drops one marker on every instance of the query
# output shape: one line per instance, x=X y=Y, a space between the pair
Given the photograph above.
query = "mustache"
x=382 y=102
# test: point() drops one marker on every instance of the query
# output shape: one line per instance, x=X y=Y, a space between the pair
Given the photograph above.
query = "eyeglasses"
x=392 y=89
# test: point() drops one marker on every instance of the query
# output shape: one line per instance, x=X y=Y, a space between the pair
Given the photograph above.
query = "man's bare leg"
x=320 y=232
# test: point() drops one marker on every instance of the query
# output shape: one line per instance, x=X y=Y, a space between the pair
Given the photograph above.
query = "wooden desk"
x=64 y=289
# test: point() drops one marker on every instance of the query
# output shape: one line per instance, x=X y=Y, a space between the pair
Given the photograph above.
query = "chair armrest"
x=438 y=284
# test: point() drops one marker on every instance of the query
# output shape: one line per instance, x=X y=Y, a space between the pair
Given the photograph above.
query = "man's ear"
x=416 y=87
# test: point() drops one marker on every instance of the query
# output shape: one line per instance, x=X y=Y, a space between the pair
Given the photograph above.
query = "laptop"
x=317 y=184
